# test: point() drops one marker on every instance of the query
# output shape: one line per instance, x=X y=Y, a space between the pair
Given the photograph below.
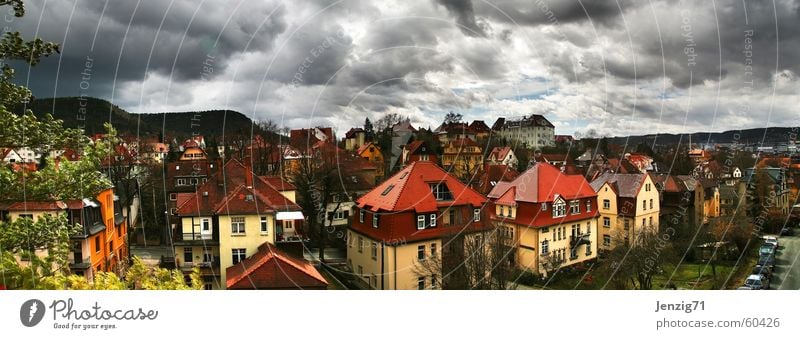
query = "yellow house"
x=549 y=217
x=228 y=218
x=399 y=226
x=628 y=204
x=373 y=154
x=462 y=157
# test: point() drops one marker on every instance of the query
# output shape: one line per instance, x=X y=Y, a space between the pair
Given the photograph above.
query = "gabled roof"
x=352 y=132
x=278 y=183
x=366 y=146
x=542 y=183
x=478 y=126
x=228 y=192
x=626 y=185
x=271 y=268
x=500 y=153
x=37 y=206
x=410 y=189
x=413 y=146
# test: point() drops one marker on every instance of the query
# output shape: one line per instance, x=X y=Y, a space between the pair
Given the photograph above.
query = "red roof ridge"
x=270 y=252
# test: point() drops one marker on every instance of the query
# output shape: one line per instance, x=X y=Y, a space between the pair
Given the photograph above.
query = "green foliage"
x=142 y=277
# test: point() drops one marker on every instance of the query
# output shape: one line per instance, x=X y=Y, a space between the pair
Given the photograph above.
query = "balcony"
x=78 y=262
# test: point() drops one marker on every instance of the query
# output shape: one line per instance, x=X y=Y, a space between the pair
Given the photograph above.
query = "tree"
x=635 y=263
x=453 y=118
x=368 y=130
x=14 y=48
x=475 y=260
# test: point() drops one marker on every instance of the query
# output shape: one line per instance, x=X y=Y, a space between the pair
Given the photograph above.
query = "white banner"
x=399 y=314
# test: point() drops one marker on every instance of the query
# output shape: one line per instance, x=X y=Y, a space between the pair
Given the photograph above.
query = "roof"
x=228 y=192
x=271 y=268
x=500 y=153
x=478 y=126
x=533 y=120
x=410 y=189
x=305 y=137
x=542 y=183
x=278 y=183
x=366 y=146
x=413 y=146
x=626 y=185
x=37 y=206
x=352 y=132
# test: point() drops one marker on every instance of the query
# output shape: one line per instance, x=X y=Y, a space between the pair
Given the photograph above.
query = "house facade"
x=502 y=156
x=400 y=224
x=462 y=157
x=628 y=204
x=229 y=217
x=534 y=131
x=550 y=218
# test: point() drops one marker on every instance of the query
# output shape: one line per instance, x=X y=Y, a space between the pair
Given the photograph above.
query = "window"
x=503 y=211
x=589 y=227
x=420 y=222
x=588 y=206
x=421 y=252
x=360 y=270
x=173 y=196
x=288 y=223
x=97 y=243
x=181 y=182
x=434 y=281
x=207 y=257
x=441 y=192
x=264 y=225
x=644 y=205
x=237 y=225
x=187 y=254
x=374 y=250
x=651 y=221
x=360 y=244
x=173 y=211
x=387 y=190
x=375 y=220
x=421 y=283
x=643 y=222
x=476 y=214
x=238 y=255
x=647 y=187
x=574 y=207
x=545 y=247
x=606 y=240
x=361 y=214
x=433 y=250
x=423 y=157
x=606 y=222
x=544 y=206
x=433 y=219
x=452 y=214
x=559 y=209
x=606 y=204
x=651 y=203
x=374 y=281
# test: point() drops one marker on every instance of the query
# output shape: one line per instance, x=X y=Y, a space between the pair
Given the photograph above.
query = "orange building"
x=101 y=242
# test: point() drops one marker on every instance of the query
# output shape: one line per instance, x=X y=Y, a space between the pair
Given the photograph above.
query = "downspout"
x=395 y=267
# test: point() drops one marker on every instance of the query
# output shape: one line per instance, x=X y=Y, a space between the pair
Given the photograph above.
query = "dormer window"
x=559 y=208
x=574 y=207
x=441 y=192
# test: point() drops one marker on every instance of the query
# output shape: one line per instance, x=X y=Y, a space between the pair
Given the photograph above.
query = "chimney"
x=248 y=176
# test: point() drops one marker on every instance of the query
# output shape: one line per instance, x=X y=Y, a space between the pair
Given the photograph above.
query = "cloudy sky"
x=606 y=67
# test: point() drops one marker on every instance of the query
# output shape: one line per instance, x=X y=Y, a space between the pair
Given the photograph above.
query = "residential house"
x=777 y=183
x=270 y=268
x=373 y=154
x=549 y=217
x=9 y=156
x=417 y=151
x=480 y=129
x=184 y=176
x=463 y=158
x=100 y=244
x=449 y=131
x=628 y=204
x=354 y=138
x=401 y=223
x=502 y=156
x=228 y=218
x=533 y=131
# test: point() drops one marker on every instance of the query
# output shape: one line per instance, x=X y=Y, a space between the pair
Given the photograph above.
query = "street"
x=787 y=264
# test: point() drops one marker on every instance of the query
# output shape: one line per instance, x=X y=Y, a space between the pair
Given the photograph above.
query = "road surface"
x=787 y=264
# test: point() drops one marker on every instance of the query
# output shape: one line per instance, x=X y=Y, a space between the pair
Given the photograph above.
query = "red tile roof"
x=228 y=192
x=542 y=182
x=271 y=268
x=410 y=189
x=38 y=206
x=278 y=183
x=499 y=153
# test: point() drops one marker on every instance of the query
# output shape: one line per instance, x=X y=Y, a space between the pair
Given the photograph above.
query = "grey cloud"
x=465 y=16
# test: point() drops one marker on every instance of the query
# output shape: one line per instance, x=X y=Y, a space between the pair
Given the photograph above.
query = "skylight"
x=387 y=190
x=441 y=192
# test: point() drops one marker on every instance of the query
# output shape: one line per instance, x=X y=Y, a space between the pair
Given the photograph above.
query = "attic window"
x=441 y=192
x=387 y=190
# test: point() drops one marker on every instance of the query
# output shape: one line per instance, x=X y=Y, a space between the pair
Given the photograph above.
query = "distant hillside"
x=770 y=135
x=99 y=111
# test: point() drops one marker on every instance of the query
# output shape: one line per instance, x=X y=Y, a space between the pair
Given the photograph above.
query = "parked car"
x=771 y=239
x=762 y=270
x=767 y=261
x=787 y=231
x=766 y=249
x=756 y=282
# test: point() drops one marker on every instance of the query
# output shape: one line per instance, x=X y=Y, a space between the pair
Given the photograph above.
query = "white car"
x=772 y=240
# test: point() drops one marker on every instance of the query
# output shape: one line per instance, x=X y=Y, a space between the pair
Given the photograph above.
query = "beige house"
x=628 y=204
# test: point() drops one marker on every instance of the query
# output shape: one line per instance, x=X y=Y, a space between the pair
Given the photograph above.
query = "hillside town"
x=390 y=205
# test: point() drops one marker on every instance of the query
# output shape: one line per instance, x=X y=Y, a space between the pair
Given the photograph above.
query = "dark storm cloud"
x=538 y=12
x=129 y=42
x=465 y=16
